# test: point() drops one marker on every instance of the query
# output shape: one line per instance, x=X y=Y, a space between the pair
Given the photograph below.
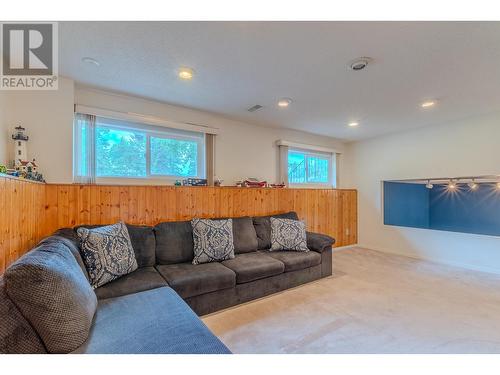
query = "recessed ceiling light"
x=186 y=73
x=90 y=60
x=428 y=104
x=284 y=102
x=353 y=124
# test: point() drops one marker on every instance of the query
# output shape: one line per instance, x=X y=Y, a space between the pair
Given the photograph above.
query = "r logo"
x=27 y=49
x=29 y=56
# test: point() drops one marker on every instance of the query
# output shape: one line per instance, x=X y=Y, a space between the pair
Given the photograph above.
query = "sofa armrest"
x=319 y=242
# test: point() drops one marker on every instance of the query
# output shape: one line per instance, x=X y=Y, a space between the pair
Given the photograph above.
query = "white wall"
x=465 y=148
x=242 y=149
x=47 y=117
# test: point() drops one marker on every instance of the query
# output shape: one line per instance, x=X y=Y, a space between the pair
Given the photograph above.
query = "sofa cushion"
x=49 y=288
x=143 y=242
x=142 y=238
x=142 y=279
x=152 y=322
x=17 y=336
x=288 y=234
x=107 y=252
x=262 y=226
x=191 y=280
x=296 y=260
x=244 y=235
x=174 y=242
x=213 y=240
x=253 y=266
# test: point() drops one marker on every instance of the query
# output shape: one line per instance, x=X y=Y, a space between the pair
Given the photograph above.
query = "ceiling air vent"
x=255 y=108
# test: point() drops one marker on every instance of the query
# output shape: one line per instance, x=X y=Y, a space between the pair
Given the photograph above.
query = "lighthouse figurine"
x=21 y=147
x=23 y=167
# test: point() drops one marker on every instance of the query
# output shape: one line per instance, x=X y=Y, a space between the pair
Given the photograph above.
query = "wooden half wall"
x=30 y=211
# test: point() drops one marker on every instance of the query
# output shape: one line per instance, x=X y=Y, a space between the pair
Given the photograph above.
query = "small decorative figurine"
x=3 y=169
x=24 y=168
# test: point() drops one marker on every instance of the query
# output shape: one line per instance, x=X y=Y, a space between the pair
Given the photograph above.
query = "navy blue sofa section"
x=156 y=321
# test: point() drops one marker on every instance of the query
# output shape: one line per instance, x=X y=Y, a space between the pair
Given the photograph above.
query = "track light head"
x=429 y=185
x=473 y=185
x=452 y=185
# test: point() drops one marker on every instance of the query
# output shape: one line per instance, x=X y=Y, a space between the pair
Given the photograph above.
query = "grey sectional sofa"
x=154 y=309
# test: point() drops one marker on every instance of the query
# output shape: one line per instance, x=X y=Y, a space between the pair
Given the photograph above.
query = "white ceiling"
x=240 y=64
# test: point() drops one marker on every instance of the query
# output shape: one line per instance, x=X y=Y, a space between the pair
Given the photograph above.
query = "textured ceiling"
x=240 y=64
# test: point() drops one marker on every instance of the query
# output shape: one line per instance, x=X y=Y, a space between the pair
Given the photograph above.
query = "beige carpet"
x=374 y=303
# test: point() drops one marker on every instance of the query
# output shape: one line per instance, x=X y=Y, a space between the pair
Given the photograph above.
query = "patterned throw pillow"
x=107 y=253
x=213 y=240
x=288 y=234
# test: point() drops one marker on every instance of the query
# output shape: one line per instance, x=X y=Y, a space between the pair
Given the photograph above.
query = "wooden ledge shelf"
x=200 y=187
x=3 y=175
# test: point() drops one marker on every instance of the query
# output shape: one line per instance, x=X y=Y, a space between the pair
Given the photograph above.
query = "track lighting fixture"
x=452 y=184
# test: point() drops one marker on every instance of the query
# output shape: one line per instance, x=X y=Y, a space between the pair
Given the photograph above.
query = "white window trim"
x=144 y=119
x=306 y=147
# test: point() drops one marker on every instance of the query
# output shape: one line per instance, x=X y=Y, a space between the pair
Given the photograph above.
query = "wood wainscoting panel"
x=30 y=211
x=22 y=209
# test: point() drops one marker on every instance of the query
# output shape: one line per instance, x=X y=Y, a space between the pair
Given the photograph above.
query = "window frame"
x=332 y=168
x=149 y=131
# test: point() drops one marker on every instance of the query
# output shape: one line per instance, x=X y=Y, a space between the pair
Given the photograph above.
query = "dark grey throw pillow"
x=213 y=240
x=288 y=234
x=107 y=253
x=49 y=288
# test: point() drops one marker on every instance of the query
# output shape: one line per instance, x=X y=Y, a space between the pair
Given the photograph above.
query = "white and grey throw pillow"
x=213 y=240
x=287 y=234
x=107 y=253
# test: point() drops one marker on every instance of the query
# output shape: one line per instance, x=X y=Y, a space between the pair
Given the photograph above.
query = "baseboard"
x=344 y=247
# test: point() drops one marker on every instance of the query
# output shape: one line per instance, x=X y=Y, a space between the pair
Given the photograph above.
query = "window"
x=120 y=152
x=125 y=150
x=310 y=168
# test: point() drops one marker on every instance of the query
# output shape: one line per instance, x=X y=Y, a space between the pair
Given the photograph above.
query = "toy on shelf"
x=251 y=182
x=3 y=169
x=194 y=182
